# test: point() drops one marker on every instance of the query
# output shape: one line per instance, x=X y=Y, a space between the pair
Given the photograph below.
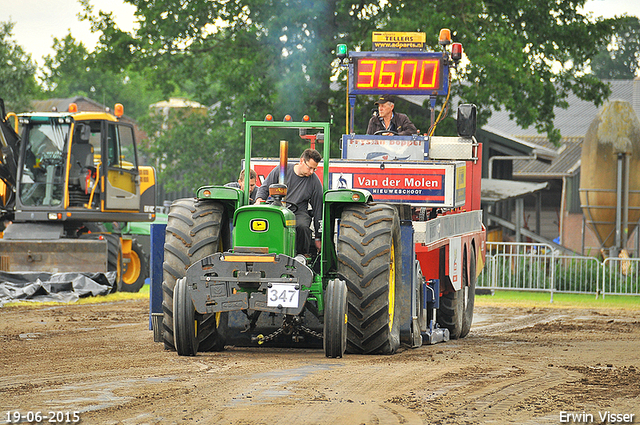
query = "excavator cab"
x=87 y=161
x=42 y=178
x=9 y=142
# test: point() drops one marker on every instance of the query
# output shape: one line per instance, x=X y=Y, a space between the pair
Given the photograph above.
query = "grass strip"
x=560 y=300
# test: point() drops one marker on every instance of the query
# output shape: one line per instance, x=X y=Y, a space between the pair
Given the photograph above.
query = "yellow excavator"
x=63 y=175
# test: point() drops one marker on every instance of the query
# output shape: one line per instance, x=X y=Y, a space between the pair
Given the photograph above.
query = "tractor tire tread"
x=194 y=231
x=364 y=253
x=186 y=239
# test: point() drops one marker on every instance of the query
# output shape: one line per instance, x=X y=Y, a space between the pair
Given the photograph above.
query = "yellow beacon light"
x=445 y=36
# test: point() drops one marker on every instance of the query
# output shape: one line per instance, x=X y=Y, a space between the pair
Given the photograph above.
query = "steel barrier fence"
x=518 y=266
x=620 y=276
x=578 y=274
x=539 y=267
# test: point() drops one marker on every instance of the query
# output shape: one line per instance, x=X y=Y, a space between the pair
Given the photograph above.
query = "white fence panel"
x=538 y=267
x=577 y=274
x=521 y=266
x=620 y=276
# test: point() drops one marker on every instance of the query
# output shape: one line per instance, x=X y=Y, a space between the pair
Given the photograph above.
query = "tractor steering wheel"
x=292 y=207
x=380 y=132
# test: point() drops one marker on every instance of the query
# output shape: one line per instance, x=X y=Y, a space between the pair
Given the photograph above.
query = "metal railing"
x=539 y=267
x=620 y=276
x=578 y=274
x=519 y=266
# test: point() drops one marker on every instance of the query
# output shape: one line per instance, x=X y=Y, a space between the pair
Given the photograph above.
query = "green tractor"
x=231 y=275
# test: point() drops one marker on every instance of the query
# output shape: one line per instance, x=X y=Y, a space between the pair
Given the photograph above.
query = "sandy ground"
x=516 y=366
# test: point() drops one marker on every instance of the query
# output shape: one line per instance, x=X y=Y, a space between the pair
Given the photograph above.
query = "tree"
x=17 y=72
x=620 y=59
x=69 y=70
x=264 y=56
x=180 y=144
x=74 y=71
x=523 y=56
x=270 y=57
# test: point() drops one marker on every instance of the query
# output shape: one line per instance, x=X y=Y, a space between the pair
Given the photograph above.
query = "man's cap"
x=385 y=98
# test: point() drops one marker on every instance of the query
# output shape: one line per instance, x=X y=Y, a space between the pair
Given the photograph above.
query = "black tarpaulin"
x=59 y=287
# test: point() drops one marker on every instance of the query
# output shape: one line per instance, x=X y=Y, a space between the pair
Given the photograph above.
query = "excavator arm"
x=9 y=145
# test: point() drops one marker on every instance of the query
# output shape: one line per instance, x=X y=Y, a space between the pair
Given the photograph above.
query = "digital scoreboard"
x=422 y=73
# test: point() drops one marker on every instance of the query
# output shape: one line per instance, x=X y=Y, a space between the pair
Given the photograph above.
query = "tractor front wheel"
x=185 y=325
x=335 y=318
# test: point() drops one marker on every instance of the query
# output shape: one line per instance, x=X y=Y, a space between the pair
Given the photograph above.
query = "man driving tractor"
x=387 y=122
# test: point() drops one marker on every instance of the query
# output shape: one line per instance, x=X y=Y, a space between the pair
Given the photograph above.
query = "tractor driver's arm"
x=374 y=125
x=404 y=125
x=262 y=192
x=316 y=208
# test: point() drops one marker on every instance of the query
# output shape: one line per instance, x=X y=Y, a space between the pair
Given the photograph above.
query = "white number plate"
x=284 y=295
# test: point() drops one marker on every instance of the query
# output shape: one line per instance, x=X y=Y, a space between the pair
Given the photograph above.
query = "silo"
x=610 y=174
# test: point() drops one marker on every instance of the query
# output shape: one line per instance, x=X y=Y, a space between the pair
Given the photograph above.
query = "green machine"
x=400 y=269
x=231 y=275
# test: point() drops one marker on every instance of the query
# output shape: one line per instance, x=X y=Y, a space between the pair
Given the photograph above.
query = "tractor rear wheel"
x=335 y=318
x=370 y=261
x=185 y=324
x=194 y=230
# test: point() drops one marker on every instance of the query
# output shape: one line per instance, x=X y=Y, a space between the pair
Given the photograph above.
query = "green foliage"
x=189 y=153
x=17 y=72
x=622 y=277
x=253 y=57
x=523 y=56
x=620 y=59
x=70 y=69
x=269 y=57
x=73 y=71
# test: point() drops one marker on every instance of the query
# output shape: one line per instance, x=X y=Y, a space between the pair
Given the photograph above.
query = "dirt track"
x=516 y=366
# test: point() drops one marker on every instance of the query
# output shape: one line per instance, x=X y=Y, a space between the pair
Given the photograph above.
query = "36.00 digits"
x=398 y=74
